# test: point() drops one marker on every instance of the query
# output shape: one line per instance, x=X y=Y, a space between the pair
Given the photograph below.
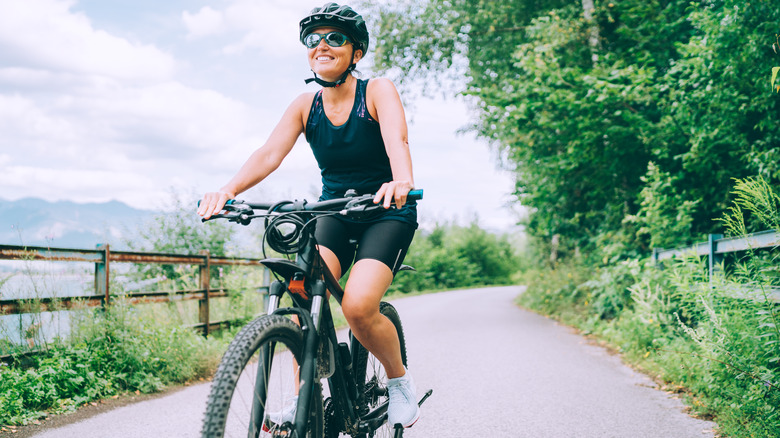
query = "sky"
x=135 y=100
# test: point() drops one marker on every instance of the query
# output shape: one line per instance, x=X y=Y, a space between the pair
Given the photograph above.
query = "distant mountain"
x=66 y=224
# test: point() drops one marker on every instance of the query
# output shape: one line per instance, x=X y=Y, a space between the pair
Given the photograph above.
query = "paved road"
x=496 y=370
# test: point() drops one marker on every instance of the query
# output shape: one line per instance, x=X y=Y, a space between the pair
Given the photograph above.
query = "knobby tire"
x=241 y=377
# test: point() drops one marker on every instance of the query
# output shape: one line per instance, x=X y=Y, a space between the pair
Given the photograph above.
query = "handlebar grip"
x=415 y=195
x=229 y=202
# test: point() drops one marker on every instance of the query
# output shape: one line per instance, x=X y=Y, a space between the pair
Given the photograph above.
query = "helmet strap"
x=338 y=81
x=327 y=84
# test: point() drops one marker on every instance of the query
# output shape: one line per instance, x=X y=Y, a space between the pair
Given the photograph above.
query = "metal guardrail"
x=103 y=257
x=717 y=245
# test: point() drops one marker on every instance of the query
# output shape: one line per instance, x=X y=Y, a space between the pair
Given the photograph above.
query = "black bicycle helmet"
x=340 y=17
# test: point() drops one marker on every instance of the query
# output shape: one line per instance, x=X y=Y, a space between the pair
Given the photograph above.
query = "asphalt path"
x=496 y=370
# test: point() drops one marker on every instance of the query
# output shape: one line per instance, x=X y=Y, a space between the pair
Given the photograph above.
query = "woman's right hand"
x=213 y=202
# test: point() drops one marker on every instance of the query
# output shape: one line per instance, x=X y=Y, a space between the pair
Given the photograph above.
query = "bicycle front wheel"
x=254 y=390
x=370 y=374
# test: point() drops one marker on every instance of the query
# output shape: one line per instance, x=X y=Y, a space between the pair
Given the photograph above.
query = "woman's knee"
x=359 y=314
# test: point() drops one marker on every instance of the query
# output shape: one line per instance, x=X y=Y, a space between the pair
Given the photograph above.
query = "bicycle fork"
x=309 y=322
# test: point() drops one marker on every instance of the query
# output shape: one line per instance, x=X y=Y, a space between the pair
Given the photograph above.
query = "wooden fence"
x=103 y=258
x=717 y=246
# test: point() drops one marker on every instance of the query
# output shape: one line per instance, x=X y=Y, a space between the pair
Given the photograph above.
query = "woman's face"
x=331 y=62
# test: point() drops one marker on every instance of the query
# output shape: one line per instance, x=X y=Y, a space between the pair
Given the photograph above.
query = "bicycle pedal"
x=424 y=397
x=399 y=430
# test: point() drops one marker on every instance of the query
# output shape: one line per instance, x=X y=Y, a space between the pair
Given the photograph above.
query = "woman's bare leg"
x=366 y=286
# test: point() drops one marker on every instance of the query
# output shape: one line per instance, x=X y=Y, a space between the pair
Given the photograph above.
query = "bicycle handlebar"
x=243 y=211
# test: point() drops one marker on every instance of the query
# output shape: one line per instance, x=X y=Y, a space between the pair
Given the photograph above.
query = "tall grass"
x=716 y=341
x=122 y=348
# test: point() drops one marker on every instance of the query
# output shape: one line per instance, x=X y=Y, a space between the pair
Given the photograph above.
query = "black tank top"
x=350 y=156
x=353 y=155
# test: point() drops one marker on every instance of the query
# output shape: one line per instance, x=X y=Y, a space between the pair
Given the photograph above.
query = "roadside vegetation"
x=453 y=256
x=109 y=353
x=629 y=125
x=715 y=342
x=122 y=348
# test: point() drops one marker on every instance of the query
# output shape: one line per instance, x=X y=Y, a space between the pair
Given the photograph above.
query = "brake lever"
x=359 y=203
x=362 y=204
x=238 y=212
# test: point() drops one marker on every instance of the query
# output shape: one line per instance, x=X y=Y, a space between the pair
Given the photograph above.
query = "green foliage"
x=755 y=199
x=122 y=349
x=623 y=143
x=717 y=341
x=775 y=70
x=674 y=83
x=180 y=231
x=452 y=256
x=666 y=222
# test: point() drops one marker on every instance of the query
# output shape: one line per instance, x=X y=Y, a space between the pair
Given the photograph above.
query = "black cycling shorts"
x=385 y=240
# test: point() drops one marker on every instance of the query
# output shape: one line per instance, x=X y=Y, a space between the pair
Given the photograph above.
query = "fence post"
x=203 y=304
x=714 y=259
x=102 y=272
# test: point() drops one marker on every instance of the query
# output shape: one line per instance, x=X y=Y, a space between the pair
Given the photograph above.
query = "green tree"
x=718 y=121
x=581 y=101
x=452 y=256
x=180 y=231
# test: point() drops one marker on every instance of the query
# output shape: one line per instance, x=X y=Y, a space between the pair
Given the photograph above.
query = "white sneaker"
x=403 y=408
x=275 y=419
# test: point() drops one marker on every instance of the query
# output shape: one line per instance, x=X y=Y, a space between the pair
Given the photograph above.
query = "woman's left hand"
x=393 y=190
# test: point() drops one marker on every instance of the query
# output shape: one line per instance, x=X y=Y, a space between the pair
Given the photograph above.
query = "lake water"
x=35 y=280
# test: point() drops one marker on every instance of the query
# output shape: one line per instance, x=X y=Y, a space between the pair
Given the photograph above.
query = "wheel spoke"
x=255 y=388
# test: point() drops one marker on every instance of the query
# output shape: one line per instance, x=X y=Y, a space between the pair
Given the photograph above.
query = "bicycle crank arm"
x=425 y=397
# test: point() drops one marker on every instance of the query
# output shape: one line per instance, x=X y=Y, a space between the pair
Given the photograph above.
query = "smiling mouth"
x=324 y=58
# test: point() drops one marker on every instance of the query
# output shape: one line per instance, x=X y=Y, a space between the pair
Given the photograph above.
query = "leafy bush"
x=122 y=349
x=716 y=340
x=181 y=231
x=453 y=256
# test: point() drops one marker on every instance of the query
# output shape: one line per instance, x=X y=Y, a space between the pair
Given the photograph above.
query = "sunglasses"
x=333 y=39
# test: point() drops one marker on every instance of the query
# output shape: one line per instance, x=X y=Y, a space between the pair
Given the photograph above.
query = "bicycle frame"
x=308 y=280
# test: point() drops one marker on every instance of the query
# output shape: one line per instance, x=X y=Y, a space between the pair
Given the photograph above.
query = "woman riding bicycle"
x=358 y=134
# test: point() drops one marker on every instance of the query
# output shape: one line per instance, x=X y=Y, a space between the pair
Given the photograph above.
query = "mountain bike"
x=277 y=363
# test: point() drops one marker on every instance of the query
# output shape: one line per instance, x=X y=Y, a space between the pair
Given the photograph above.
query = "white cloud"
x=27 y=128
x=269 y=26
x=78 y=127
x=46 y=34
x=203 y=23
x=172 y=115
x=78 y=123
